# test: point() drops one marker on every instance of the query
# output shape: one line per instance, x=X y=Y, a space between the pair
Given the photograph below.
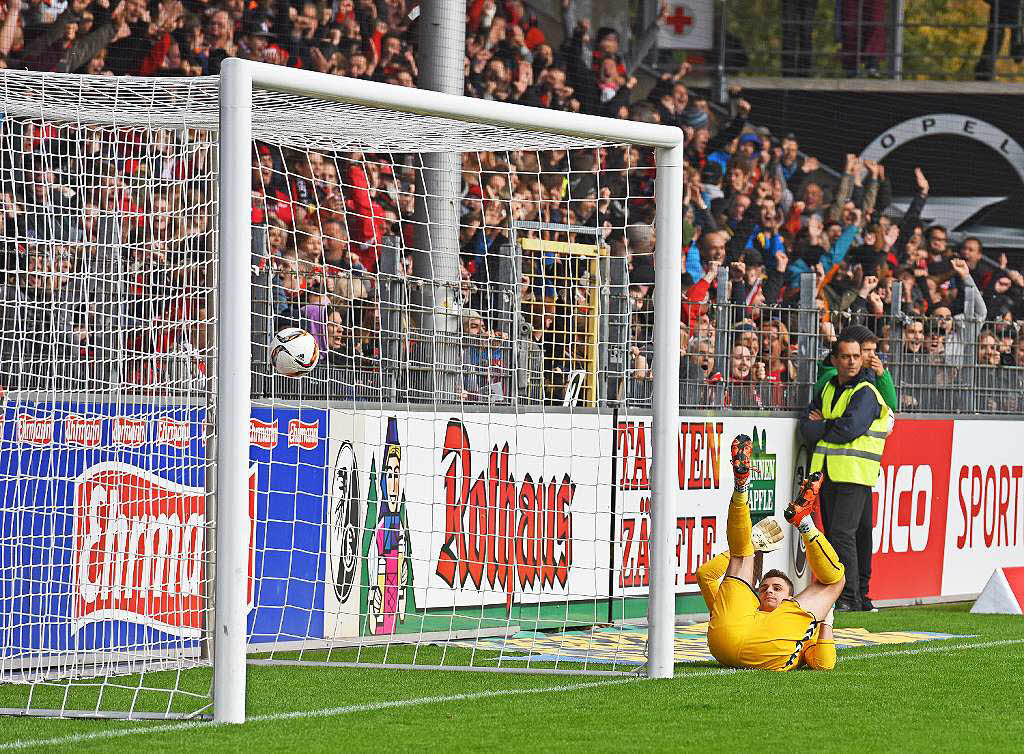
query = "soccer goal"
x=437 y=492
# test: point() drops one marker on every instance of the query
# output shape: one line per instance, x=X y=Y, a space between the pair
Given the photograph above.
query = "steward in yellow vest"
x=856 y=461
x=849 y=437
x=845 y=429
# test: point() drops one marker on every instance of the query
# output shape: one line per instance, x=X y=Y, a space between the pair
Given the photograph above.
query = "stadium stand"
x=780 y=253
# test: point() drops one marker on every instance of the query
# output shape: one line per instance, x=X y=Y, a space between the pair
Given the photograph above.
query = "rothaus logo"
x=172 y=432
x=130 y=433
x=263 y=434
x=35 y=430
x=302 y=434
x=140 y=544
x=83 y=431
x=499 y=533
x=903 y=521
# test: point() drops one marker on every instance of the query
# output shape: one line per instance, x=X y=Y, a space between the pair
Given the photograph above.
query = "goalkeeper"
x=770 y=628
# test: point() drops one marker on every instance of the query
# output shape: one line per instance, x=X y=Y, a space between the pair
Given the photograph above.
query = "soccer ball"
x=293 y=352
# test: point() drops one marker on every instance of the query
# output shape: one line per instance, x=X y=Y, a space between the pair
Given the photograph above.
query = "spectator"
x=482 y=361
x=996 y=386
x=797 y=34
x=1003 y=15
x=862 y=35
x=954 y=327
x=971 y=250
x=874 y=369
x=700 y=384
x=743 y=388
x=61 y=47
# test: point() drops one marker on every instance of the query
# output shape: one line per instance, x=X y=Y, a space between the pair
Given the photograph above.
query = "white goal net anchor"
x=169 y=505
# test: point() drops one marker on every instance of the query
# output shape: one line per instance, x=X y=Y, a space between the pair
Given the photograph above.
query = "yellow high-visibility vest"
x=858 y=461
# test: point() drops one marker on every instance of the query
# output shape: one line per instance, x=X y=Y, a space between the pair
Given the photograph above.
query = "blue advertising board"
x=102 y=536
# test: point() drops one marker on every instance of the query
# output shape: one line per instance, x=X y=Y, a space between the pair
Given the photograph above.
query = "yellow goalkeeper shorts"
x=742 y=636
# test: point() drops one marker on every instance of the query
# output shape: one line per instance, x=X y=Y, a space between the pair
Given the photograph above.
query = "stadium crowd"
x=754 y=205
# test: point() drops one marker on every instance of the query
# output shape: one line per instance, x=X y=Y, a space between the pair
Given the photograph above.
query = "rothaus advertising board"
x=103 y=510
x=480 y=514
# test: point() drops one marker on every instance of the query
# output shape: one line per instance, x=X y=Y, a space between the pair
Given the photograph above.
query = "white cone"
x=998 y=596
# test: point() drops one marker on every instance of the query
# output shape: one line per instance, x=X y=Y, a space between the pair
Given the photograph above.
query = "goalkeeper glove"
x=766 y=535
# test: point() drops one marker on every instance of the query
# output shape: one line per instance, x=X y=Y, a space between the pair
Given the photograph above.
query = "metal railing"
x=732 y=356
x=927 y=39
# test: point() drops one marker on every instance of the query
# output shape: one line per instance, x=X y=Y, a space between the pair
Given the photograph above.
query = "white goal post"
x=238 y=80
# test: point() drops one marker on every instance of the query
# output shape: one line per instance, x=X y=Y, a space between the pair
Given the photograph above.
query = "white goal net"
x=439 y=491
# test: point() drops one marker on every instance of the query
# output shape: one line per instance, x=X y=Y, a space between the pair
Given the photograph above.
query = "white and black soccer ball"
x=293 y=352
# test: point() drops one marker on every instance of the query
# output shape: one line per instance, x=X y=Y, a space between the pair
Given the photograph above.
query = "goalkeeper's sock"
x=738 y=526
x=807 y=528
x=821 y=555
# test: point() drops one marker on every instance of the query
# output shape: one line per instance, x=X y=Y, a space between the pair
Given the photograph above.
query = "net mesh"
x=437 y=491
x=104 y=532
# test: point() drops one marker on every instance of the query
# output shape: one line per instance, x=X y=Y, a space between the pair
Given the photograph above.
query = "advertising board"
x=487 y=512
x=103 y=510
x=704 y=484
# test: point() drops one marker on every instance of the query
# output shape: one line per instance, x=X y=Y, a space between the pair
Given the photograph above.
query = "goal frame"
x=238 y=79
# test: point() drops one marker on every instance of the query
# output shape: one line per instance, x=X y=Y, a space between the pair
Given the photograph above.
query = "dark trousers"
x=863 y=31
x=1002 y=15
x=846 y=514
x=797 y=36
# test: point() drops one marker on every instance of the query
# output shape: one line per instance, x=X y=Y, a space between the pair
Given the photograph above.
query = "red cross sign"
x=679 y=20
x=687 y=25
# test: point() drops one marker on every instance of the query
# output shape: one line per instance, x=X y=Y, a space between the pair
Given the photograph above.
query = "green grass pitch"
x=957 y=694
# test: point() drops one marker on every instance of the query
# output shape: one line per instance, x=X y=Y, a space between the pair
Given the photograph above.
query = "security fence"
x=592 y=345
x=587 y=342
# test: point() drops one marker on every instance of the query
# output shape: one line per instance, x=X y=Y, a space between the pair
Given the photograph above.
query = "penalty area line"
x=75 y=738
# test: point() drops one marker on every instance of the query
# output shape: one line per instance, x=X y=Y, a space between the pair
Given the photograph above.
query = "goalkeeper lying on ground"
x=770 y=628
